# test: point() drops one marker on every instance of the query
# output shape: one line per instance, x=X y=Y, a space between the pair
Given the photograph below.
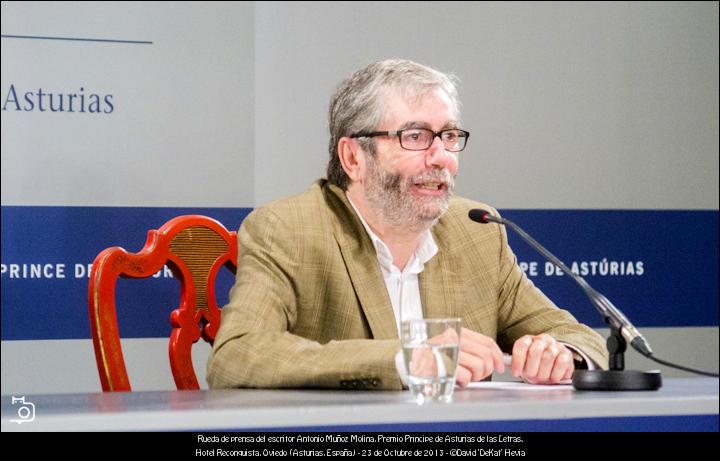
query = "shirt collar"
x=424 y=252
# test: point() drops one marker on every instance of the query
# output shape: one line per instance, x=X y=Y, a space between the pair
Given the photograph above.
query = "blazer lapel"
x=361 y=261
x=370 y=289
x=441 y=290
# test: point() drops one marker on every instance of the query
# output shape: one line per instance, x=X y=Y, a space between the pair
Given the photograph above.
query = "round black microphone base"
x=616 y=380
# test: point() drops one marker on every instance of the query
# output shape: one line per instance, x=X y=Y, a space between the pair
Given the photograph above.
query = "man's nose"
x=437 y=156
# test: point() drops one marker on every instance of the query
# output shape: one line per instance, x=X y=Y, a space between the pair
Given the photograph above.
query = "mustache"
x=443 y=176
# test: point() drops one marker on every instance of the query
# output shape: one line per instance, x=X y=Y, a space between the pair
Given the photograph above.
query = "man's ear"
x=352 y=158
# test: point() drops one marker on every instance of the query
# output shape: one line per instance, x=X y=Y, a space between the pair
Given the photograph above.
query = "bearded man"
x=325 y=278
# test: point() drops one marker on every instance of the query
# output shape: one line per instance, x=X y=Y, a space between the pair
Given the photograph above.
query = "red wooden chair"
x=194 y=247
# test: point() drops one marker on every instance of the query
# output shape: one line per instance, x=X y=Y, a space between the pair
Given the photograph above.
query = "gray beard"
x=390 y=197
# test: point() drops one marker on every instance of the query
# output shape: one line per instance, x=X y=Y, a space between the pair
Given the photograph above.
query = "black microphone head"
x=479 y=215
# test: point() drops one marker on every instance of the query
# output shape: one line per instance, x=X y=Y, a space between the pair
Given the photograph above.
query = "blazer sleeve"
x=524 y=309
x=255 y=346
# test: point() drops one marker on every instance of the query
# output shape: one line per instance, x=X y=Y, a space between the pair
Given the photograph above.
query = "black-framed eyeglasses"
x=453 y=140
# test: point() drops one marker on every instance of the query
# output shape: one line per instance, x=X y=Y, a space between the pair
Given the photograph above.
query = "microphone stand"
x=616 y=378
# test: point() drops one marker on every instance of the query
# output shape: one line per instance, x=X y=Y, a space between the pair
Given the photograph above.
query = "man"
x=325 y=278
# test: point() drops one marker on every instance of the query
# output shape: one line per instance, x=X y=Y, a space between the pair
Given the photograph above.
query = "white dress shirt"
x=402 y=286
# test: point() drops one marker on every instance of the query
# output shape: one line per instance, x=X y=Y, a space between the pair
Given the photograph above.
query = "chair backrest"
x=194 y=247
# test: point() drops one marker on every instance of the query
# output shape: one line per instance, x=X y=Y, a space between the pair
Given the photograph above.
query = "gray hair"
x=357 y=104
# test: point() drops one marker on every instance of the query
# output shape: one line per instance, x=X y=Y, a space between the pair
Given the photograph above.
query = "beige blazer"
x=310 y=308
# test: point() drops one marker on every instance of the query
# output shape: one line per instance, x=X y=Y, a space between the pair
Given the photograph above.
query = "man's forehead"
x=423 y=124
x=437 y=95
x=405 y=111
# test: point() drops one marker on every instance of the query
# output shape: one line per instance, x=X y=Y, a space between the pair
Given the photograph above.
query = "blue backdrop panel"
x=678 y=250
x=673 y=254
x=56 y=308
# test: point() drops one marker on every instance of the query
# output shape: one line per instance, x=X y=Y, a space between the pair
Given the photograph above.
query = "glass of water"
x=430 y=349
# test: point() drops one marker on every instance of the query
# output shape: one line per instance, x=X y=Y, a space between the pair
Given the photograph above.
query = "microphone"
x=606 y=308
x=622 y=330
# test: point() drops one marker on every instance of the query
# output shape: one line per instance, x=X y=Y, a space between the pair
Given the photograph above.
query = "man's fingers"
x=423 y=363
x=536 y=354
x=519 y=355
x=541 y=359
x=475 y=365
x=479 y=367
x=547 y=362
x=483 y=347
x=563 y=365
x=463 y=377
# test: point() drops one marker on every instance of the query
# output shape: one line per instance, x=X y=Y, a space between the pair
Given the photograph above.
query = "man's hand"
x=541 y=359
x=479 y=357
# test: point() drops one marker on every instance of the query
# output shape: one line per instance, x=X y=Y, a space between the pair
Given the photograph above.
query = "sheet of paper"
x=516 y=386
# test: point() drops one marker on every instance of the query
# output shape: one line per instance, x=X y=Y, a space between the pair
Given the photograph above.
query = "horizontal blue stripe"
x=57 y=308
x=678 y=248
x=682 y=423
x=678 y=251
